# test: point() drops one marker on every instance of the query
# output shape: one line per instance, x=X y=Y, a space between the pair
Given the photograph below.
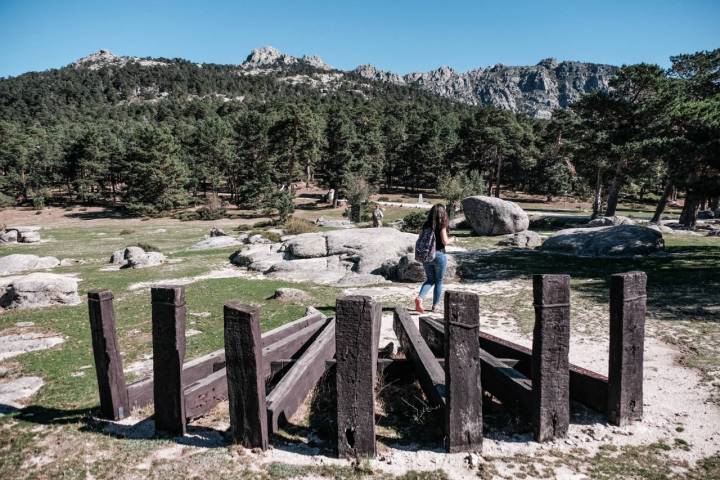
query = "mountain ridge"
x=534 y=90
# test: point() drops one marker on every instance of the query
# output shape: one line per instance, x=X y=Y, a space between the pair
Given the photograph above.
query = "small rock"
x=610 y=221
x=29 y=237
x=8 y=236
x=257 y=239
x=526 y=239
x=217 y=232
x=293 y=295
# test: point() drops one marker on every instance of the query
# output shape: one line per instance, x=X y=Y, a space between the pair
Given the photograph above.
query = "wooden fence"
x=454 y=362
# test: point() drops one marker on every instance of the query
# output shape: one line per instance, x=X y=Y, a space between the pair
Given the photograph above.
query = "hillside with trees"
x=158 y=136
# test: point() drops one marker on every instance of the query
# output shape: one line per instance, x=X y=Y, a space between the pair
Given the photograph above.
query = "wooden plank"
x=430 y=374
x=284 y=400
x=627 y=341
x=550 y=364
x=114 y=403
x=245 y=379
x=168 y=338
x=283 y=331
x=463 y=406
x=586 y=387
x=290 y=346
x=204 y=394
x=498 y=376
x=356 y=352
x=140 y=393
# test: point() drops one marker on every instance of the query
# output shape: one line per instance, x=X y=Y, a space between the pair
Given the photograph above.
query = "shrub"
x=243 y=227
x=413 y=222
x=206 y=213
x=126 y=232
x=141 y=210
x=38 y=202
x=294 y=226
x=263 y=224
x=272 y=236
x=6 y=200
x=187 y=216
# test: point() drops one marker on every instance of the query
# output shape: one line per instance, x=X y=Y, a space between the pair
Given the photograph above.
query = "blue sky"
x=398 y=35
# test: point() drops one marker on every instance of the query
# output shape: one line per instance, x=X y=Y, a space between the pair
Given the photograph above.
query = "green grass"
x=683 y=302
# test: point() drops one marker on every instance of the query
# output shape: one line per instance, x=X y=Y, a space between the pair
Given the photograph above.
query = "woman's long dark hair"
x=437 y=218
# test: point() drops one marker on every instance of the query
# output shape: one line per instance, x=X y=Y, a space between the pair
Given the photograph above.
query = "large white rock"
x=493 y=216
x=216 y=241
x=618 y=241
x=8 y=236
x=344 y=257
x=38 y=290
x=19 y=262
x=370 y=248
x=308 y=245
x=526 y=239
x=136 y=257
x=610 y=221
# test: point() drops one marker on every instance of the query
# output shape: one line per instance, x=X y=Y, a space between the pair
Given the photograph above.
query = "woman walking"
x=430 y=250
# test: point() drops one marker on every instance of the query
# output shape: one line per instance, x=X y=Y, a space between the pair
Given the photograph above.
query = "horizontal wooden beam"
x=140 y=393
x=430 y=374
x=203 y=395
x=586 y=387
x=284 y=400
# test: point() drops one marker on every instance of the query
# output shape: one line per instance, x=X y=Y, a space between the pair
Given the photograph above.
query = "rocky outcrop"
x=356 y=256
x=269 y=57
x=618 y=241
x=17 y=263
x=610 y=221
x=410 y=270
x=38 y=290
x=535 y=90
x=220 y=241
x=493 y=216
x=526 y=239
x=23 y=234
x=136 y=257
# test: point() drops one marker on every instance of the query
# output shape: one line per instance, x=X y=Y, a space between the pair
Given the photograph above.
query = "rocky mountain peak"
x=269 y=56
x=101 y=56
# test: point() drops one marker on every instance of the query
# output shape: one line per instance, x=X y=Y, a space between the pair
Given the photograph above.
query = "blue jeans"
x=434 y=273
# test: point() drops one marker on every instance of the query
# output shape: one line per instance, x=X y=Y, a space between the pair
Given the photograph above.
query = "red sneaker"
x=418 y=306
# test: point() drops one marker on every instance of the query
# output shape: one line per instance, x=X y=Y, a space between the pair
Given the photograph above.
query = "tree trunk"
x=497 y=178
x=614 y=190
x=663 y=202
x=690 y=210
x=597 y=199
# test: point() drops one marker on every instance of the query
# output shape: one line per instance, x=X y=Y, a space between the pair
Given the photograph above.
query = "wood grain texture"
x=245 y=377
x=285 y=398
x=550 y=364
x=430 y=374
x=586 y=387
x=627 y=342
x=463 y=405
x=114 y=403
x=356 y=354
x=168 y=337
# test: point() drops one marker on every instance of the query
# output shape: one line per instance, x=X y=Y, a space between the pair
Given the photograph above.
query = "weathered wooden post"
x=463 y=407
x=627 y=340
x=550 y=363
x=114 y=402
x=168 y=338
x=357 y=317
x=245 y=378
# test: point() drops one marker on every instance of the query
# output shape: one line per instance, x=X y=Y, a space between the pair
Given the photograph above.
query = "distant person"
x=430 y=250
x=377 y=216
